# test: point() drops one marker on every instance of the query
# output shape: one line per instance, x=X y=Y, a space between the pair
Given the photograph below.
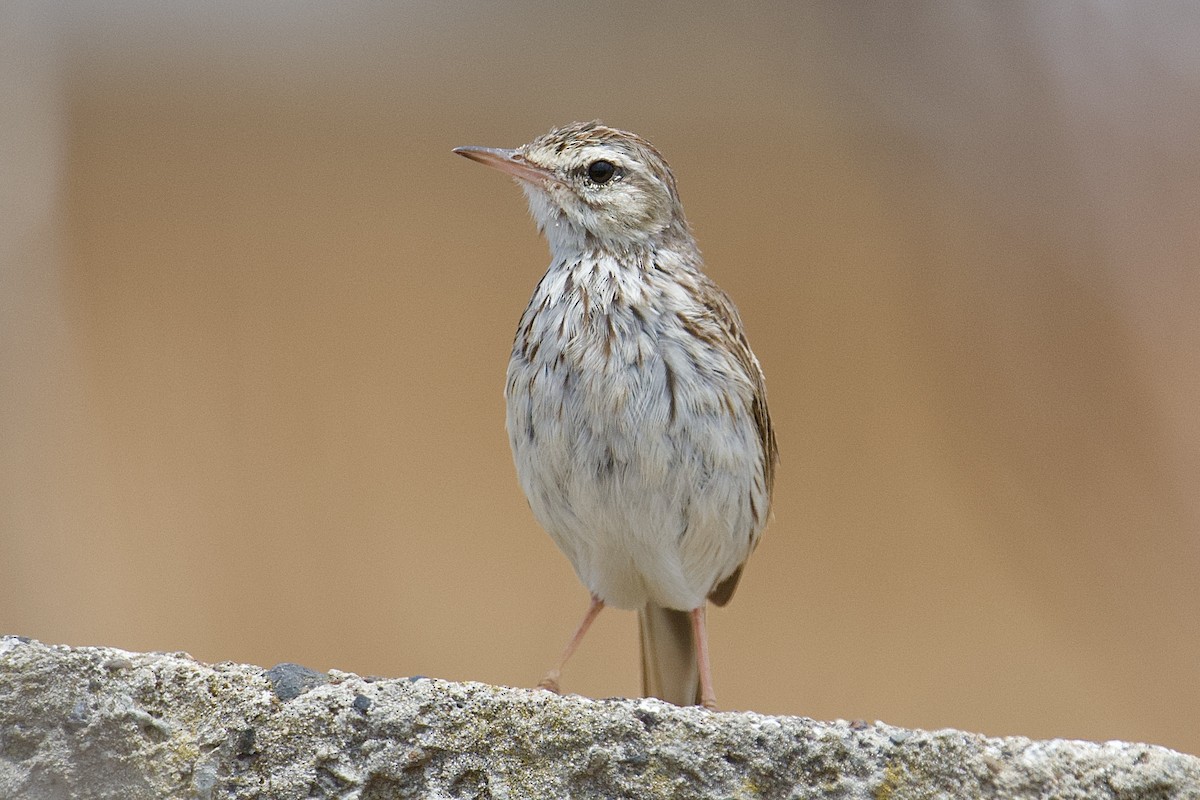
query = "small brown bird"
x=637 y=412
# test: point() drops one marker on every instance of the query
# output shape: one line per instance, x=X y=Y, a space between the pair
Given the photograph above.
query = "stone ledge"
x=95 y=722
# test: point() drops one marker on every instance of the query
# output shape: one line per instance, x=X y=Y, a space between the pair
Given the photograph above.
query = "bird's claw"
x=550 y=684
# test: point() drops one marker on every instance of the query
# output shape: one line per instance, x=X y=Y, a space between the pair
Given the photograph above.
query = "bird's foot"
x=550 y=682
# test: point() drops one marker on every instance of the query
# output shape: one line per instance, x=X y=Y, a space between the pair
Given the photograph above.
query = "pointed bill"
x=510 y=161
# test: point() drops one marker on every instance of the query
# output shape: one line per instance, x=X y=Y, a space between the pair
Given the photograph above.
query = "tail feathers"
x=669 y=669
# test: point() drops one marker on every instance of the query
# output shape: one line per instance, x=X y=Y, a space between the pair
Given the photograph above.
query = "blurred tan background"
x=255 y=316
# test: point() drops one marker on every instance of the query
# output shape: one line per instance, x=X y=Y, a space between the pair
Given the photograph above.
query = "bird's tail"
x=669 y=669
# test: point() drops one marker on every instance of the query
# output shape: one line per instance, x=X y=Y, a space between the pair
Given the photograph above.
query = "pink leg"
x=708 y=698
x=551 y=680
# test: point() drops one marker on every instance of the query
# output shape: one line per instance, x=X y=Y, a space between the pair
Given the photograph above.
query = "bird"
x=636 y=410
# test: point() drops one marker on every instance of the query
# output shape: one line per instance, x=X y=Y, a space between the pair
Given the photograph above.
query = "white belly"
x=639 y=457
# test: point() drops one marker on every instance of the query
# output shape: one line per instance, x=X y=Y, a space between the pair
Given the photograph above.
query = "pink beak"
x=510 y=161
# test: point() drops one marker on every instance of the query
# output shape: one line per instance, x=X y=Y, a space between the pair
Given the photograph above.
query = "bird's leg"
x=708 y=698
x=551 y=680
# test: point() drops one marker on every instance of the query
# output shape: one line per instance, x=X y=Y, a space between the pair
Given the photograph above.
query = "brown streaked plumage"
x=637 y=411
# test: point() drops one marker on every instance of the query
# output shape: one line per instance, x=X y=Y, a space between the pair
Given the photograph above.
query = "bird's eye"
x=601 y=172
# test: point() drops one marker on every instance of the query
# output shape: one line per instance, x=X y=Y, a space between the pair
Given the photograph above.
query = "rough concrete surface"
x=94 y=722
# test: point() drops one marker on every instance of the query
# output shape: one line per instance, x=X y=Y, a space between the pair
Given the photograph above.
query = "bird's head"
x=588 y=183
